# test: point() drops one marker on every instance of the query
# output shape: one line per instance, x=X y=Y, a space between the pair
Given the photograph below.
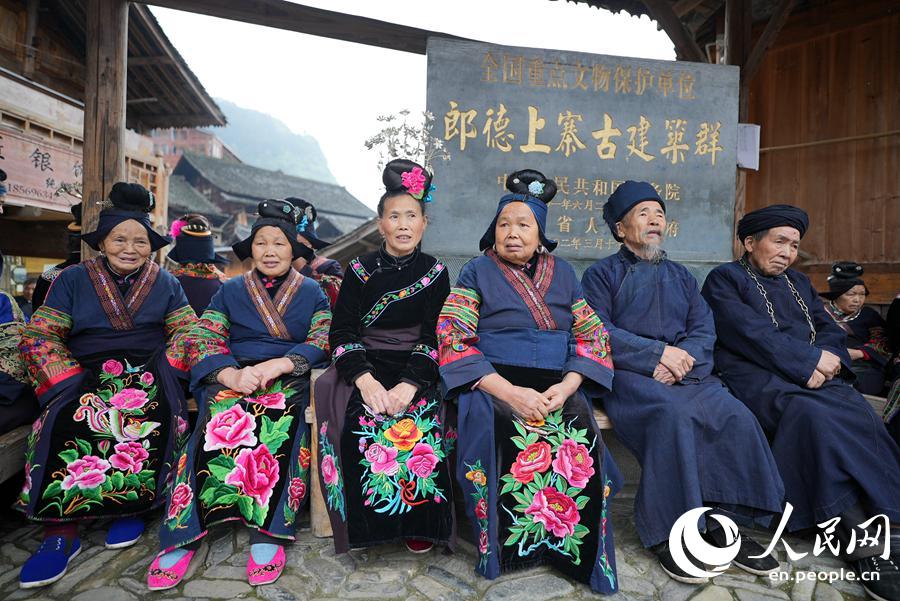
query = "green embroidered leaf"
x=132 y=480
x=519 y=427
x=582 y=501
x=561 y=484
x=131 y=496
x=572 y=491
x=512 y=539
x=118 y=480
x=289 y=515
x=220 y=466
x=53 y=489
x=107 y=485
x=508 y=487
x=519 y=442
x=531 y=438
x=92 y=493
x=581 y=531
x=223 y=405
x=226 y=499
x=147 y=477
x=540 y=480
x=259 y=514
x=68 y=456
x=274 y=434
x=83 y=446
x=208 y=492
x=521 y=498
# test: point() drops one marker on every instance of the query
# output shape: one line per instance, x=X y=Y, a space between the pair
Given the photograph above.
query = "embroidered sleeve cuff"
x=301 y=365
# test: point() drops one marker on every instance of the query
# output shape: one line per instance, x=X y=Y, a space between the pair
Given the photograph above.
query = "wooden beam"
x=31 y=22
x=140 y=61
x=282 y=14
x=776 y=22
x=104 y=105
x=683 y=7
x=685 y=46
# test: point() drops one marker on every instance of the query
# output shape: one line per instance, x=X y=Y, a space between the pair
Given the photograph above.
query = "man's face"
x=774 y=252
x=644 y=225
x=28 y=292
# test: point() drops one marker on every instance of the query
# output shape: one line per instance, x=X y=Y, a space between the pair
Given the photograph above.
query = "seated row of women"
x=519 y=351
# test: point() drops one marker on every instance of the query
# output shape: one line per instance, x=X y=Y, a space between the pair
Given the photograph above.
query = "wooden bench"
x=318 y=513
x=12 y=452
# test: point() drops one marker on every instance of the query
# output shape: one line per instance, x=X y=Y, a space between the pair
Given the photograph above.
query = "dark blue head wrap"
x=126 y=201
x=766 y=218
x=624 y=198
x=536 y=191
x=280 y=214
x=194 y=241
x=306 y=223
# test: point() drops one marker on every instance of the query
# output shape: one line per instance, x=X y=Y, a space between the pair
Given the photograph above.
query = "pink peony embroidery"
x=273 y=400
x=413 y=180
x=147 y=378
x=535 y=458
x=113 y=367
x=129 y=399
x=481 y=509
x=255 y=474
x=296 y=493
x=483 y=542
x=182 y=495
x=329 y=470
x=555 y=510
x=181 y=425
x=85 y=473
x=574 y=463
x=129 y=457
x=422 y=460
x=383 y=459
x=230 y=429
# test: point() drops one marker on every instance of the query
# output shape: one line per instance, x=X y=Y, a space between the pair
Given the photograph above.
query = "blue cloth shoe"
x=124 y=532
x=49 y=563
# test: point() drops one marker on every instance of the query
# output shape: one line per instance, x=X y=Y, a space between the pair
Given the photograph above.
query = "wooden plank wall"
x=835 y=73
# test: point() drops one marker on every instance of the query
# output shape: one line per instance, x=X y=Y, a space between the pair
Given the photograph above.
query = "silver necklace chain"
x=771 y=309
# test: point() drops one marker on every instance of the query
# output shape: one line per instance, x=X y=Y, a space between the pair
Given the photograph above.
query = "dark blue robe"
x=248 y=458
x=832 y=450
x=697 y=444
x=537 y=492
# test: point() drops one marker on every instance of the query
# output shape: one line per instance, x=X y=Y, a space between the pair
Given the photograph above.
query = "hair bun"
x=278 y=209
x=131 y=197
x=846 y=270
x=531 y=183
x=407 y=177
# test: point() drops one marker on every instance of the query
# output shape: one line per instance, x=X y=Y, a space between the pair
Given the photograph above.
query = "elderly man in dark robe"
x=782 y=354
x=697 y=444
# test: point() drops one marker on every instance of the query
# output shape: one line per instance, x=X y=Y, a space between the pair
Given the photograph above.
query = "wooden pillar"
x=738 y=22
x=104 y=105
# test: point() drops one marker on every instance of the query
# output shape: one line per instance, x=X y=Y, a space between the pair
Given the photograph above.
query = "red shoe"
x=414 y=545
x=160 y=579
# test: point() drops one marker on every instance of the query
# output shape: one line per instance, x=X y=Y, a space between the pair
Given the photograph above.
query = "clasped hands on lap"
x=673 y=366
x=527 y=402
x=828 y=367
x=253 y=377
x=383 y=401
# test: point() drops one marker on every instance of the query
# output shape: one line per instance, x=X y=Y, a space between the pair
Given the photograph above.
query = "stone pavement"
x=388 y=572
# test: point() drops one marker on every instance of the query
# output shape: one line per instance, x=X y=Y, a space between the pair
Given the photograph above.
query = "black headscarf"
x=844 y=276
x=536 y=191
x=280 y=214
x=307 y=223
x=194 y=241
x=126 y=201
x=766 y=218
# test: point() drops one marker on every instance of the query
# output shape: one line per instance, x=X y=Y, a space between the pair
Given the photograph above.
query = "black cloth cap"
x=194 y=241
x=536 y=191
x=126 y=201
x=280 y=214
x=766 y=218
x=844 y=276
x=307 y=221
x=624 y=198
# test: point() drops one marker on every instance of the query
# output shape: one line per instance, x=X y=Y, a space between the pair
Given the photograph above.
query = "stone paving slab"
x=388 y=572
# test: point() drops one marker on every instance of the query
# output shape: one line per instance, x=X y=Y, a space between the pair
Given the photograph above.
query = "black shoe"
x=759 y=566
x=671 y=568
x=880 y=577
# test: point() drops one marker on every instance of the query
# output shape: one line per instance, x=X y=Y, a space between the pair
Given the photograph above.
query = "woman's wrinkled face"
x=775 y=251
x=126 y=246
x=852 y=300
x=516 y=234
x=402 y=224
x=271 y=251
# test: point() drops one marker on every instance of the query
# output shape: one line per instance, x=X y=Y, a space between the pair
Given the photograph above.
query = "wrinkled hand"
x=271 y=369
x=373 y=394
x=663 y=375
x=816 y=380
x=829 y=365
x=528 y=403
x=559 y=393
x=677 y=361
x=400 y=396
x=244 y=381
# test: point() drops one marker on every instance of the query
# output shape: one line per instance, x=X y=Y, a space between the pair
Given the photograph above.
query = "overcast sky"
x=335 y=90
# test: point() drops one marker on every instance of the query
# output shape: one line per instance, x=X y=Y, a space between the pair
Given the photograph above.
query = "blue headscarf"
x=536 y=191
x=127 y=201
x=624 y=198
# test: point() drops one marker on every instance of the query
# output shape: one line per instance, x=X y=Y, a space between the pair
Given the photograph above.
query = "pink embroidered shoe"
x=160 y=579
x=268 y=573
x=414 y=545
